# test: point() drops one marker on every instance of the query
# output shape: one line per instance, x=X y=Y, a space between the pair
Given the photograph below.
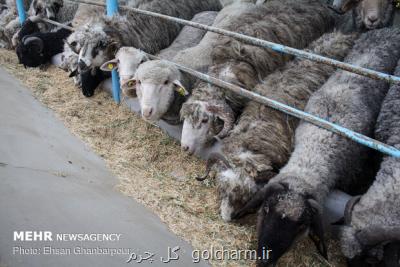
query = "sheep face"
x=30 y=52
x=126 y=61
x=240 y=175
x=284 y=217
x=157 y=84
x=203 y=123
x=70 y=58
x=200 y=126
x=234 y=190
x=47 y=8
x=97 y=48
x=369 y=14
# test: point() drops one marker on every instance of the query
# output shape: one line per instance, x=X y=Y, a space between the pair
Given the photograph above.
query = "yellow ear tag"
x=110 y=66
x=181 y=91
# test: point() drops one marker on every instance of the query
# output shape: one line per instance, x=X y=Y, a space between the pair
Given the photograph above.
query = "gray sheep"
x=322 y=160
x=261 y=142
x=373 y=220
x=363 y=15
x=210 y=111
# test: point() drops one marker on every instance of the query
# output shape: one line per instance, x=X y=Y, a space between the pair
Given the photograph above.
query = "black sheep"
x=90 y=79
x=38 y=48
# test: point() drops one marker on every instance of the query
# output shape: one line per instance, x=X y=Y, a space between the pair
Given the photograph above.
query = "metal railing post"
x=21 y=11
x=112 y=8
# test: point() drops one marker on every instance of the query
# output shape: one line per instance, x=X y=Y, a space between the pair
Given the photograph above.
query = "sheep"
x=69 y=58
x=322 y=160
x=8 y=15
x=372 y=221
x=225 y=3
x=365 y=14
x=104 y=36
x=51 y=9
x=128 y=59
x=210 y=112
x=261 y=142
x=38 y=48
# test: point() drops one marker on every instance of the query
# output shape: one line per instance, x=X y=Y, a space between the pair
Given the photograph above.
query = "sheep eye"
x=142 y=61
x=205 y=120
x=73 y=44
x=139 y=82
x=166 y=82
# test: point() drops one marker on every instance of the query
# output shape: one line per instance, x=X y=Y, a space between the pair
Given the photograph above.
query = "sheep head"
x=126 y=61
x=157 y=83
x=30 y=51
x=47 y=8
x=203 y=122
x=237 y=181
x=100 y=44
x=375 y=245
x=284 y=217
x=369 y=14
x=72 y=47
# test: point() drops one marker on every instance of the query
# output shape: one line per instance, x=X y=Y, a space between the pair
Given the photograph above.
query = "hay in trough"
x=150 y=166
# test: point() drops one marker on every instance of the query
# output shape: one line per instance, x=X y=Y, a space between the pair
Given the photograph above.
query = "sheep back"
x=266 y=133
x=290 y=22
x=322 y=159
x=379 y=207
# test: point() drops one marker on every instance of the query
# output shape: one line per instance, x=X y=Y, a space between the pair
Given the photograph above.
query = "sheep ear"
x=73 y=73
x=317 y=233
x=130 y=84
x=180 y=88
x=113 y=47
x=347 y=5
x=110 y=65
x=129 y=88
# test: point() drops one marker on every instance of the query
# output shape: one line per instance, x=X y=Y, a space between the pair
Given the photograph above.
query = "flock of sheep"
x=265 y=160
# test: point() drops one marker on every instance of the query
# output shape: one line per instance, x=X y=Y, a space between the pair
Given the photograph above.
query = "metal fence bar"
x=21 y=11
x=357 y=137
x=112 y=8
x=266 y=44
x=58 y=24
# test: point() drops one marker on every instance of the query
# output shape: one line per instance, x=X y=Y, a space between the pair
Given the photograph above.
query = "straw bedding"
x=150 y=166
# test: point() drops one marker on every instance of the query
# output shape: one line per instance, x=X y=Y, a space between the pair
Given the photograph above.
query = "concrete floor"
x=50 y=181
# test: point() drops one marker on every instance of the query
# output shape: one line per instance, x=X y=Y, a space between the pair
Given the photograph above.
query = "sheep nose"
x=147 y=112
x=82 y=65
x=372 y=18
x=185 y=148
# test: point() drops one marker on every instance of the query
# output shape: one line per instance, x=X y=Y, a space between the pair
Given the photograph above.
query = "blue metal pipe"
x=357 y=137
x=112 y=8
x=263 y=43
x=21 y=11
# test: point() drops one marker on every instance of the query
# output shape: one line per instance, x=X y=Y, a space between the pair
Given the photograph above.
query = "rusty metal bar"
x=357 y=137
x=266 y=44
x=58 y=24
